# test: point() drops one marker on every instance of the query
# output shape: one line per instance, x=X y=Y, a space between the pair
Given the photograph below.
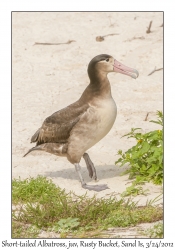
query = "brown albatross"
x=71 y=131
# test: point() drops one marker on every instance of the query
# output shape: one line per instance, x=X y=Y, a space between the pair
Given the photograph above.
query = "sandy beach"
x=46 y=78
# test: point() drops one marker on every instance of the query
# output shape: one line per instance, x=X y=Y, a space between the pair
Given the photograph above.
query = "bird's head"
x=104 y=64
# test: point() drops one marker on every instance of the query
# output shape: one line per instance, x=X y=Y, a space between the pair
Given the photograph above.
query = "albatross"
x=71 y=131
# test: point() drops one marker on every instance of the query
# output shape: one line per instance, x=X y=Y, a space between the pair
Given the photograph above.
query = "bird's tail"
x=32 y=149
x=59 y=149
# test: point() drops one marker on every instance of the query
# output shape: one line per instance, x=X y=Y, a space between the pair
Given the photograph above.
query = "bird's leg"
x=78 y=168
x=90 y=166
x=96 y=188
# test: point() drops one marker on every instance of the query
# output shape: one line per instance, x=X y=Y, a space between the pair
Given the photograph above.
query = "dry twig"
x=135 y=37
x=154 y=70
x=101 y=38
x=68 y=42
x=111 y=24
x=149 y=28
x=146 y=116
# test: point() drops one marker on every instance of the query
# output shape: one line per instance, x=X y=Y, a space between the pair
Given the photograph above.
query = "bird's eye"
x=107 y=60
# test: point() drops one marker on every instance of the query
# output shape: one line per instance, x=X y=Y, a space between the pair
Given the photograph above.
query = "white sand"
x=48 y=78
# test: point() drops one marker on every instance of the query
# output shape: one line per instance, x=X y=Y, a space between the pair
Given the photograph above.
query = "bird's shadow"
x=103 y=172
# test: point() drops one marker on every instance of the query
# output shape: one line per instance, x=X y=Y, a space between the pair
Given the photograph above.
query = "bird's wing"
x=57 y=127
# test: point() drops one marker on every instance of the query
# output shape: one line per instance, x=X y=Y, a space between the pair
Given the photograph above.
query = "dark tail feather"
x=32 y=149
x=35 y=136
x=29 y=151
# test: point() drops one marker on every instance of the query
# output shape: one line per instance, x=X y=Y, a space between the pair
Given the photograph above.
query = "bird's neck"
x=99 y=87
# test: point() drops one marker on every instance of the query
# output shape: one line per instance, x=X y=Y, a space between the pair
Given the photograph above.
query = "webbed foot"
x=96 y=188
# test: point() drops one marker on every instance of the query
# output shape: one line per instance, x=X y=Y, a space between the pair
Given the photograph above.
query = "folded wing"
x=57 y=127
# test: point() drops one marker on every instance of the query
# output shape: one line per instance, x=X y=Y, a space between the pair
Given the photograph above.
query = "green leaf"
x=145 y=148
x=146 y=157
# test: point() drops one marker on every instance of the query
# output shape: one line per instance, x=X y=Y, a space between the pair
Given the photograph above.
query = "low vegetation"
x=38 y=204
x=145 y=158
x=156 y=231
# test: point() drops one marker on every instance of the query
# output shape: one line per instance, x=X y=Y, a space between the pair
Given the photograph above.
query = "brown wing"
x=57 y=127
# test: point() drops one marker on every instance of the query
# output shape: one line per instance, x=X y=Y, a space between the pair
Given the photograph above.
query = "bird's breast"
x=94 y=124
x=105 y=112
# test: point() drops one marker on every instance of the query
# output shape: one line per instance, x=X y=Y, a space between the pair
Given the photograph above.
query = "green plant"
x=134 y=190
x=42 y=205
x=146 y=157
x=156 y=231
x=33 y=190
x=22 y=230
x=65 y=225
